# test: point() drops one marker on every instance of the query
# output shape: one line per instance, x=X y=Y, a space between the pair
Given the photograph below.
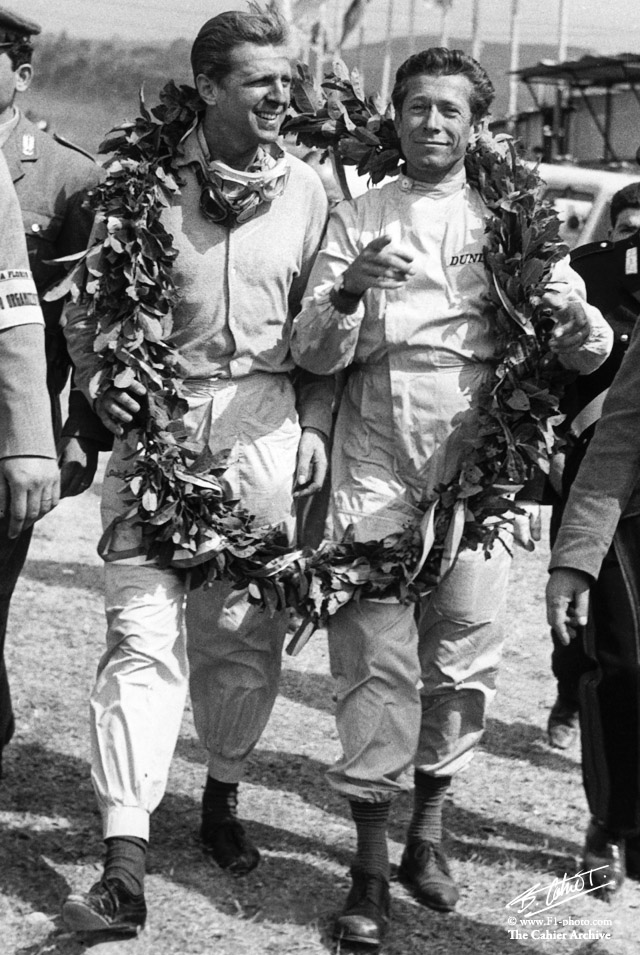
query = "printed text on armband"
x=19 y=303
x=7 y=274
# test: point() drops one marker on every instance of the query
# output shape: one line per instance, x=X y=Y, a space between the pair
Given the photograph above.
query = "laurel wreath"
x=175 y=492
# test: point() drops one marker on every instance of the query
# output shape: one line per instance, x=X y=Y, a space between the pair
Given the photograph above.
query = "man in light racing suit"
x=247 y=224
x=399 y=296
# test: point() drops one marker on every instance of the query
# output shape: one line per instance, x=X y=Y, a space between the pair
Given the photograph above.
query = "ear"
x=208 y=89
x=23 y=76
x=397 y=122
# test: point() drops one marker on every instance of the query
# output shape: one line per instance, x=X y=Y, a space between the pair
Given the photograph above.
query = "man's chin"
x=435 y=168
x=267 y=136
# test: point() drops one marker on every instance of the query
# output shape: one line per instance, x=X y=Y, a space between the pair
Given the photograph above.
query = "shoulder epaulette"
x=591 y=248
x=66 y=142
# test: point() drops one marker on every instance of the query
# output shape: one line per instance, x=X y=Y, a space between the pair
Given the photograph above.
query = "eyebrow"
x=255 y=77
x=440 y=101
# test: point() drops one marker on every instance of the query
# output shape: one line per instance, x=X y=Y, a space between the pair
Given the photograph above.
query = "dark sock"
x=428 y=800
x=125 y=861
x=220 y=801
x=371 y=820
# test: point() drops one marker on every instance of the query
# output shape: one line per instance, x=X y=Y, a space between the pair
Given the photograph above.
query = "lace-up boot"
x=424 y=869
x=107 y=907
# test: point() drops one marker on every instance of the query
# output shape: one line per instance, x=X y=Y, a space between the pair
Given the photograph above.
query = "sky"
x=602 y=26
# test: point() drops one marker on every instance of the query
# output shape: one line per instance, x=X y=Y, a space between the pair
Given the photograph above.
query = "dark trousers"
x=609 y=691
x=13 y=554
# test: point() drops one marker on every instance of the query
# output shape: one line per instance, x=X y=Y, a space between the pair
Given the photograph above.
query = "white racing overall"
x=417 y=358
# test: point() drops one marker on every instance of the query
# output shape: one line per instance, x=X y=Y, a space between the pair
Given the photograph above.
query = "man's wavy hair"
x=440 y=61
x=211 y=52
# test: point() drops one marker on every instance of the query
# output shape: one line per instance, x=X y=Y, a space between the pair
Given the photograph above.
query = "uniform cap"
x=14 y=28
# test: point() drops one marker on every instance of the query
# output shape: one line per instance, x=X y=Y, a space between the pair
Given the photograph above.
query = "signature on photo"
x=542 y=897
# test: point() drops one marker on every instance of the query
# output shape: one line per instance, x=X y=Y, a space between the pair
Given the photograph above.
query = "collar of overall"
x=176 y=492
x=231 y=196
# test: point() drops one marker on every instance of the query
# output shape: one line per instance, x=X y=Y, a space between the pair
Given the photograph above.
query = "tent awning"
x=588 y=71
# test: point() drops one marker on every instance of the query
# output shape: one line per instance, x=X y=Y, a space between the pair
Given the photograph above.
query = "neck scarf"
x=229 y=196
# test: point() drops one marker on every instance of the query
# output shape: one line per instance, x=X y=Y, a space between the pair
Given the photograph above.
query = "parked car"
x=582 y=197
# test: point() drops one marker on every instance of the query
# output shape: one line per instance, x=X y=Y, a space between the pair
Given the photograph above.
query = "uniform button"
x=624 y=338
x=36 y=227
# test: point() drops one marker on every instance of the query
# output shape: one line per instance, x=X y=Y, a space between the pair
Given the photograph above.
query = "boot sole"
x=80 y=917
x=356 y=939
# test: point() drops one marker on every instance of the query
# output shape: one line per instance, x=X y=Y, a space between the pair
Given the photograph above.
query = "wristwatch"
x=342 y=300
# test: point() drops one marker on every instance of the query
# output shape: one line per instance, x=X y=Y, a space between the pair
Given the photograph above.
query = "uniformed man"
x=602 y=265
x=50 y=180
x=596 y=554
x=29 y=483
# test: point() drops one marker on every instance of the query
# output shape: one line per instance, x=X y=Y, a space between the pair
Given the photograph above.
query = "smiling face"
x=247 y=107
x=435 y=125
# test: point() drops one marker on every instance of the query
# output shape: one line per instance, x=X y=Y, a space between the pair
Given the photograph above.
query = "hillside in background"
x=84 y=87
x=495 y=58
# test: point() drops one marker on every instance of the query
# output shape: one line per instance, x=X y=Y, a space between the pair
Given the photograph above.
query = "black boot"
x=365 y=916
x=604 y=857
x=222 y=833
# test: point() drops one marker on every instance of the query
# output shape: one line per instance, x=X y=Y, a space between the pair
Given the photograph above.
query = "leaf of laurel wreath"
x=176 y=492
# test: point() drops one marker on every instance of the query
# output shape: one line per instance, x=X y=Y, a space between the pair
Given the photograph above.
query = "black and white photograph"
x=319 y=477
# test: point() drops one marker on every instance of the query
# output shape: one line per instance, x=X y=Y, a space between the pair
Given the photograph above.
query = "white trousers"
x=234 y=649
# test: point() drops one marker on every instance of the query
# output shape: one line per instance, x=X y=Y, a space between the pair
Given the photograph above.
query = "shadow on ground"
x=295 y=883
x=78 y=576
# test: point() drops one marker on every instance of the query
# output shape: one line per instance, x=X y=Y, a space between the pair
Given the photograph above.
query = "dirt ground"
x=515 y=819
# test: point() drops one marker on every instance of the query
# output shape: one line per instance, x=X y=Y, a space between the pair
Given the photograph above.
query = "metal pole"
x=476 y=39
x=444 y=22
x=412 y=26
x=560 y=137
x=609 y=152
x=515 y=56
x=563 y=21
x=386 y=65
